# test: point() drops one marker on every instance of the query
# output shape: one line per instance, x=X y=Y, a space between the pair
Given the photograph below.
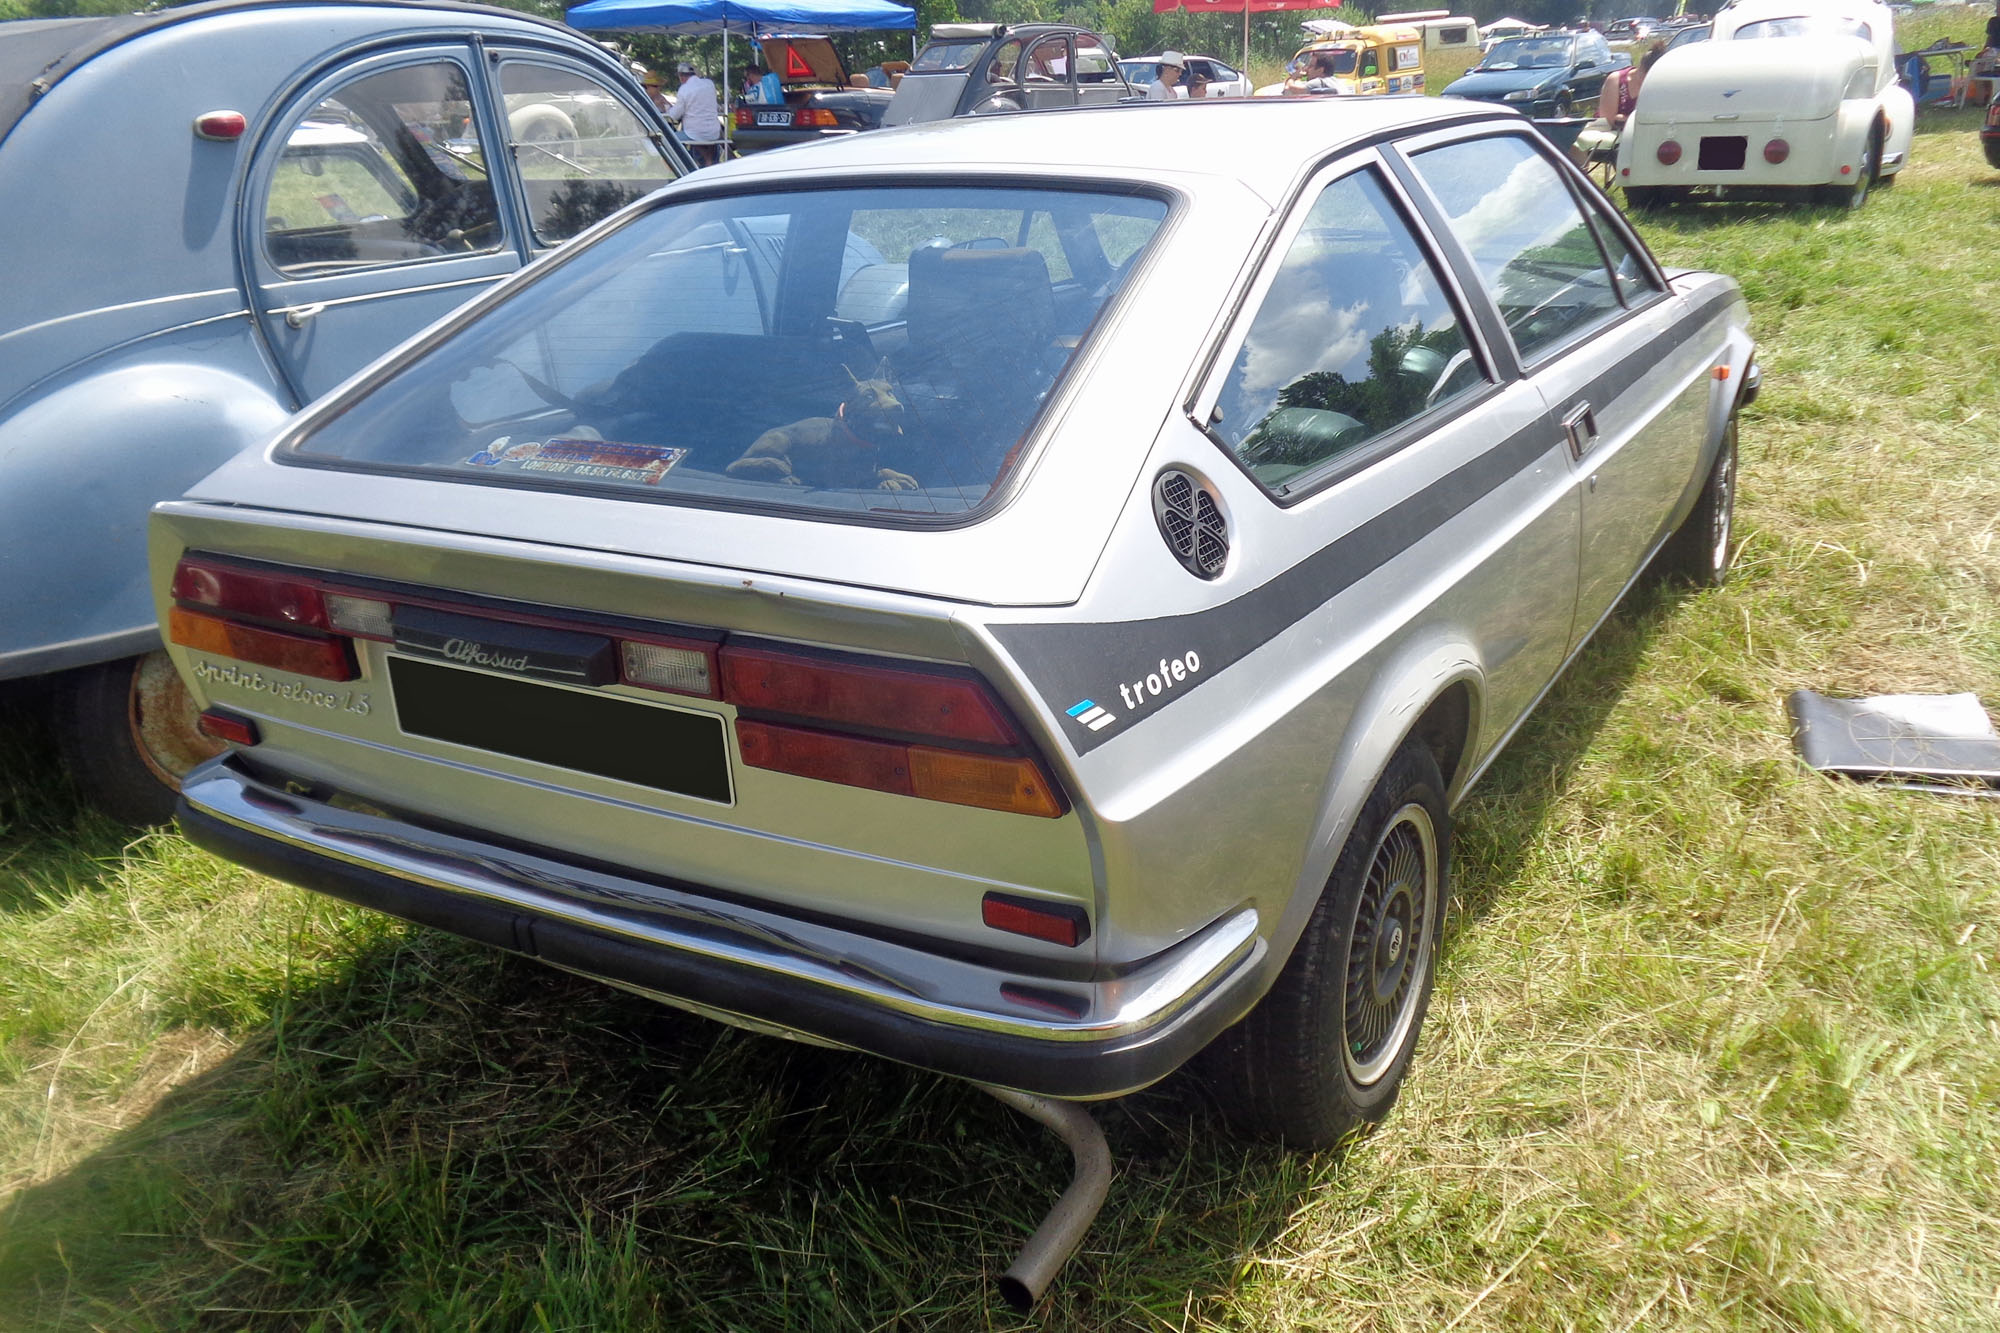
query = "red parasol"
x=1243 y=7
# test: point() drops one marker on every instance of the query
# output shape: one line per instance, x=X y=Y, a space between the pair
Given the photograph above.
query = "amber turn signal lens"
x=987 y=781
x=321 y=658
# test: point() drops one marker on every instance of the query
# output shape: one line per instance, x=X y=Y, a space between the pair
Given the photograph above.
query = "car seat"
x=981 y=351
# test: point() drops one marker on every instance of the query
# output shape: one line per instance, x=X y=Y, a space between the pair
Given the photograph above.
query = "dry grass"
x=1717 y=1044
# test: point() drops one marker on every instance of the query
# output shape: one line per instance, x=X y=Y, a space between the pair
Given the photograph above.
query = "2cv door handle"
x=300 y=315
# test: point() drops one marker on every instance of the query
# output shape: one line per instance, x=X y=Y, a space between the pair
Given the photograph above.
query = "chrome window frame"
x=1221 y=359
x=1407 y=152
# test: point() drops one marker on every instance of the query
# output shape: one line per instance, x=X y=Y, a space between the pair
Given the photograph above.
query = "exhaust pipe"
x=1056 y=1239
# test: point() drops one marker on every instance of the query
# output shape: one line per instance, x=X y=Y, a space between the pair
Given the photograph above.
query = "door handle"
x=1580 y=430
x=298 y=316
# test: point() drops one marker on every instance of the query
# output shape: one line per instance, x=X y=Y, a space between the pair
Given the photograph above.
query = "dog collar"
x=840 y=416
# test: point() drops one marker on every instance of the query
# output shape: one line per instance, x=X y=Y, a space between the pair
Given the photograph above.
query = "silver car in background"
x=1041 y=653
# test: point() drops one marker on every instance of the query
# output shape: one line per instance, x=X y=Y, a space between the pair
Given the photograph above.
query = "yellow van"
x=1386 y=59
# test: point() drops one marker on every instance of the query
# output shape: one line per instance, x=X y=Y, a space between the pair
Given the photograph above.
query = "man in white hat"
x=1162 y=88
x=696 y=113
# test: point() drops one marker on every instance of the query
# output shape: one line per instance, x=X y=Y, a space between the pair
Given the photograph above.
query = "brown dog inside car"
x=841 y=451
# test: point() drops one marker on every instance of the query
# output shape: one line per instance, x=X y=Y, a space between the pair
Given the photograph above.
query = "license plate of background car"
x=650 y=745
x=778 y=118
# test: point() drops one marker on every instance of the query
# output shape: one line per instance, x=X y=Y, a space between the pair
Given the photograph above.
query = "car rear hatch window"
x=874 y=354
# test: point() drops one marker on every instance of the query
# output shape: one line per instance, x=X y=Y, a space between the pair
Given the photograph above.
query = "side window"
x=1635 y=283
x=387 y=169
x=1354 y=337
x=1004 y=61
x=1093 y=60
x=1512 y=212
x=581 y=152
x=1048 y=61
x=1369 y=66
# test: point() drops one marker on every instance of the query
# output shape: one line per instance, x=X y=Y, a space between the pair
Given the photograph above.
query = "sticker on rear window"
x=571 y=456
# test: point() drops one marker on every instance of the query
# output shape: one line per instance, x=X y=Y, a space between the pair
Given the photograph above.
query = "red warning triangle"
x=796 y=65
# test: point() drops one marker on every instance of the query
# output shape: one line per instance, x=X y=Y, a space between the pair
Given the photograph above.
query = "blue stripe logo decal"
x=1092 y=715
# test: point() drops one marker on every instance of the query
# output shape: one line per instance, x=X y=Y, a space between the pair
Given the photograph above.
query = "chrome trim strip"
x=881 y=973
x=314 y=307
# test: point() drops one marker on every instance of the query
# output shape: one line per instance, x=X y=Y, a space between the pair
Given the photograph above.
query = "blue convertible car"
x=214 y=214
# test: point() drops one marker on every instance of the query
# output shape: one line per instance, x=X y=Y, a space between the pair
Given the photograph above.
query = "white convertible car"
x=1789 y=96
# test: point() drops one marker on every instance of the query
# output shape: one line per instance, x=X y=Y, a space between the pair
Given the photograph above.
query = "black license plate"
x=669 y=749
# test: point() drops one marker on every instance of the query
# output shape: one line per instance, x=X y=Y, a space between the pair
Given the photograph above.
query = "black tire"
x=1564 y=107
x=1325 y=1051
x=1645 y=198
x=1699 y=551
x=127 y=734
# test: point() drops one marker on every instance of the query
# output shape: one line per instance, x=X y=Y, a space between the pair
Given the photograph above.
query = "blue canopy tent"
x=750 y=18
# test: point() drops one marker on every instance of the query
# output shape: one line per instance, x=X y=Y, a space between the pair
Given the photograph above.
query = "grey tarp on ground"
x=1930 y=742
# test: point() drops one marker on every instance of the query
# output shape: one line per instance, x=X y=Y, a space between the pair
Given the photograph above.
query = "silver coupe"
x=1020 y=596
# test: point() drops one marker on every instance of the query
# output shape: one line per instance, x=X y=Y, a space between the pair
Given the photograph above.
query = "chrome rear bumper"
x=972 y=1017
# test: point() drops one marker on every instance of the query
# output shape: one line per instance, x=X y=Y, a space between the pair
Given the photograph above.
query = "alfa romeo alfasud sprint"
x=1019 y=597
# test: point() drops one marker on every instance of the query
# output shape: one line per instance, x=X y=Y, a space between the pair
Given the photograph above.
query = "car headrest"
x=969 y=305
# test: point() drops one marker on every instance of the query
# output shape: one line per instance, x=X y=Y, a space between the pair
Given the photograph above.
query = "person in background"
x=770 y=90
x=1993 y=29
x=656 y=89
x=1620 y=94
x=696 y=113
x=1197 y=84
x=1162 y=88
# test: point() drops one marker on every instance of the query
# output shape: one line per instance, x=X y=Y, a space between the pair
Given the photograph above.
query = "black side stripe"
x=1074 y=663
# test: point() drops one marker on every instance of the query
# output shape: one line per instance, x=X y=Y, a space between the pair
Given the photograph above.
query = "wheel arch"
x=1431 y=691
x=84 y=463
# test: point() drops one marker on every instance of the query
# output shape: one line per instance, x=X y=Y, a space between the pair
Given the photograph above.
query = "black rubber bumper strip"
x=1083 y=1068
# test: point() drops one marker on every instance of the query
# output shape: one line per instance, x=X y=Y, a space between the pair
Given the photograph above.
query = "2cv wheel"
x=128 y=734
x=1326 y=1049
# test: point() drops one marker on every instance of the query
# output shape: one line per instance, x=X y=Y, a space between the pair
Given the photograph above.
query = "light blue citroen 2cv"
x=214 y=214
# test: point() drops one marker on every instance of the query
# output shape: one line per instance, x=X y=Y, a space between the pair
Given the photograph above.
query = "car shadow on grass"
x=1500 y=823
x=443 y=1136
x=52 y=845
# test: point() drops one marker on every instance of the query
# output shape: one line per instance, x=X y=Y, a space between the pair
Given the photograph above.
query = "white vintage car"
x=1788 y=96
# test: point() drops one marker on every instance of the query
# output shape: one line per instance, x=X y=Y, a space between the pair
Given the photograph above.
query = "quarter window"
x=1510 y=209
x=581 y=152
x=387 y=169
x=1354 y=337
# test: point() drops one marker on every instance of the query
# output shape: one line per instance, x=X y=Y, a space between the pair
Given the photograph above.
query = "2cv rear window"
x=865 y=353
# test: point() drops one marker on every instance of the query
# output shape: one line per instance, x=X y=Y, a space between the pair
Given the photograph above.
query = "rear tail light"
x=363 y=617
x=1669 y=152
x=938 y=733
x=934 y=734
x=817 y=118
x=743 y=118
x=1777 y=151
x=250 y=594
x=319 y=656
x=268 y=619
x=867 y=697
x=659 y=666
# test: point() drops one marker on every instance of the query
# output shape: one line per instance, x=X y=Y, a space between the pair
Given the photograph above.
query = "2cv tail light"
x=1777 y=151
x=1669 y=152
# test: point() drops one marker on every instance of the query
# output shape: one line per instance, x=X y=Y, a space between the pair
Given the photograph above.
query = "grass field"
x=1716 y=1043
